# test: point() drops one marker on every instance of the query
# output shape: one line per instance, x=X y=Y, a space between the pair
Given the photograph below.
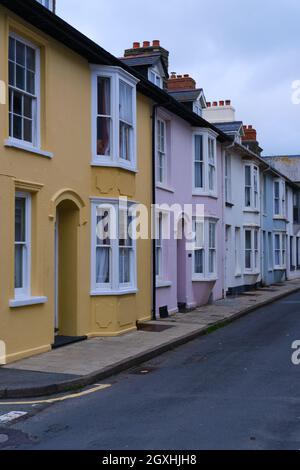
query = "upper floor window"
x=205 y=164
x=23 y=91
x=47 y=3
x=114 y=118
x=155 y=78
x=251 y=187
x=279 y=198
x=161 y=151
x=197 y=108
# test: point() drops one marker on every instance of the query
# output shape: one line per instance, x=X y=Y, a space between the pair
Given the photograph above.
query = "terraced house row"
x=80 y=132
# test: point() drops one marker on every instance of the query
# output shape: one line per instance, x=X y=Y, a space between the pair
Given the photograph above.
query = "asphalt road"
x=234 y=389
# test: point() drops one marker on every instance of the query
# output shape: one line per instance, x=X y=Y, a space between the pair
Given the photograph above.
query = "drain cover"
x=154 y=328
x=143 y=371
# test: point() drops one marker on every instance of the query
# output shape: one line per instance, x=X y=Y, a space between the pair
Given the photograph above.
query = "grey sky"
x=249 y=55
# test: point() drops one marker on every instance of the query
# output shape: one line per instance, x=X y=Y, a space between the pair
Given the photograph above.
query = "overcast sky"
x=249 y=55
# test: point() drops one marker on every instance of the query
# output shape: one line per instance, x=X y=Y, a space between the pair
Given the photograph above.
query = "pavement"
x=234 y=389
x=82 y=364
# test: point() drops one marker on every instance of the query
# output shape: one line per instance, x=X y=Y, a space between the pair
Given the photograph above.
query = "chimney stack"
x=250 y=134
x=181 y=82
x=219 y=111
x=147 y=49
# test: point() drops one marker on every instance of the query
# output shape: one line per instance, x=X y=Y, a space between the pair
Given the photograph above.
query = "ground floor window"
x=270 y=252
x=205 y=249
x=252 y=250
x=113 y=248
x=22 y=244
x=280 y=250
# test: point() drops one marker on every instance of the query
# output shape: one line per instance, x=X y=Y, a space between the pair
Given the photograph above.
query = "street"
x=235 y=388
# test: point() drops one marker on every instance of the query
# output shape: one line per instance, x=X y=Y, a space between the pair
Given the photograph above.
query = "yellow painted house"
x=75 y=136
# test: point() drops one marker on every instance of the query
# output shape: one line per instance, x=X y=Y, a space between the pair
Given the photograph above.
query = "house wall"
x=66 y=132
x=270 y=225
x=238 y=217
x=179 y=190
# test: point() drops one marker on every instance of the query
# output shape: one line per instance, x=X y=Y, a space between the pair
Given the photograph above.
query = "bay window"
x=205 y=250
x=22 y=244
x=161 y=152
x=24 y=97
x=205 y=163
x=113 y=248
x=279 y=198
x=279 y=250
x=114 y=117
x=251 y=187
x=252 y=250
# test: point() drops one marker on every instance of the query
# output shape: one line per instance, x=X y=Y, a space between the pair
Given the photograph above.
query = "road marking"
x=11 y=416
x=55 y=400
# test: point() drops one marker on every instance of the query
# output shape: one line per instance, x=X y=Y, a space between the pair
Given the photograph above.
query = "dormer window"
x=47 y=4
x=155 y=78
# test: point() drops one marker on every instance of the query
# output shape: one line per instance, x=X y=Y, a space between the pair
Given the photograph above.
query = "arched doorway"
x=66 y=272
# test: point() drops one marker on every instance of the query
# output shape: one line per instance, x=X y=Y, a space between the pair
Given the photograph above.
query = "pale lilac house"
x=188 y=171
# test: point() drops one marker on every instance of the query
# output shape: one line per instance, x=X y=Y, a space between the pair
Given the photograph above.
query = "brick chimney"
x=148 y=48
x=181 y=82
x=250 y=141
x=250 y=134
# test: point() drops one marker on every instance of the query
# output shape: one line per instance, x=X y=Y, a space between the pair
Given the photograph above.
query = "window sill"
x=161 y=284
x=164 y=188
x=251 y=273
x=205 y=194
x=111 y=164
x=229 y=204
x=280 y=217
x=205 y=279
x=27 y=301
x=251 y=211
x=280 y=268
x=27 y=148
x=238 y=275
x=96 y=293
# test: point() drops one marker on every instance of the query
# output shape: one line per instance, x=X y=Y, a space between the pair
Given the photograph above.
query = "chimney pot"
x=228 y=102
x=221 y=103
x=156 y=43
x=136 y=45
x=208 y=104
x=215 y=103
x=250 y=128
x=186 y=75
x=146 y=44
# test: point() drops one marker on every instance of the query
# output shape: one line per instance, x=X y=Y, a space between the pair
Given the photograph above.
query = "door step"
x=61 y=341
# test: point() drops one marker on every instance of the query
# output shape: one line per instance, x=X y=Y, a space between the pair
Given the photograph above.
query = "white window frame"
x=228 y=182
x=116 y=75
x=25 y=291
x=197 y=108
x=237 y=247
x=207 y=164
x=254 y=187
x=114 y=287
x=161 y=124
x=155 y=78
x=282 y=212
x=36 y=107
x=254 y=250
x=201 y=228
x=44 y=3
x=282 y=250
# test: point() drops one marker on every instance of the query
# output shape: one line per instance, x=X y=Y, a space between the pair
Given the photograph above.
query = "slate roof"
x=186 y=95
x=229 y=127
x=141 y=60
